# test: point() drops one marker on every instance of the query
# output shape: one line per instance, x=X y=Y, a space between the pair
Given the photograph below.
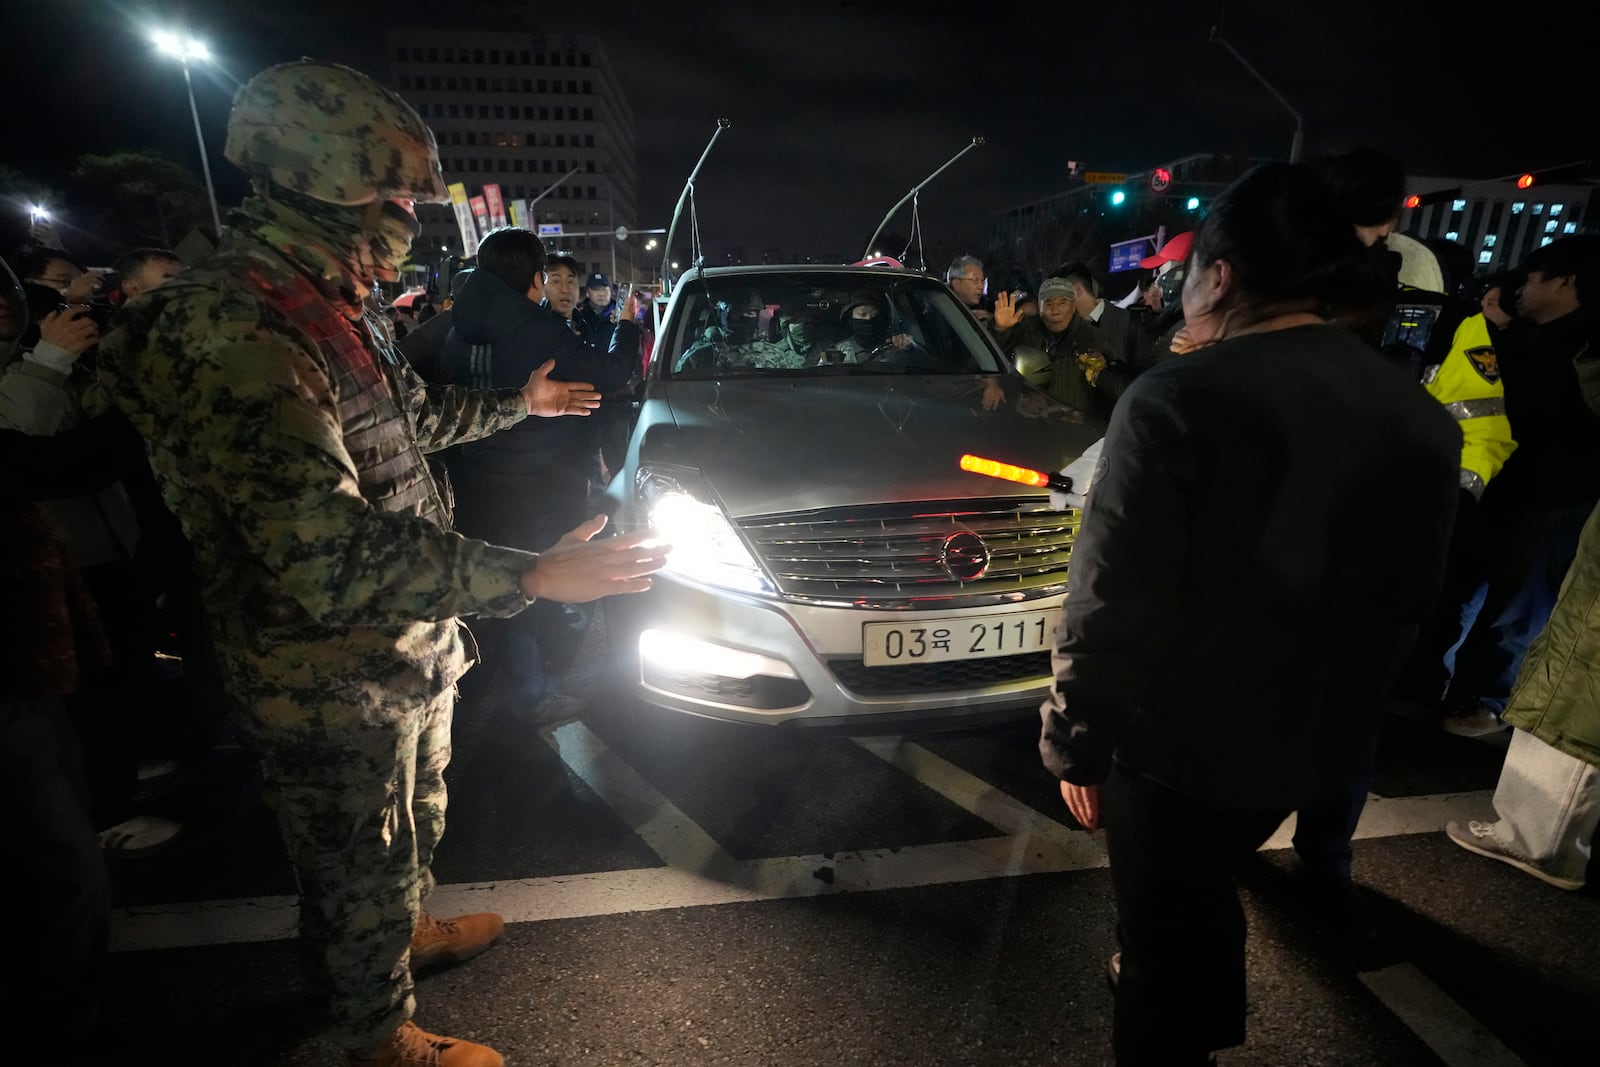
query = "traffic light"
x=1193 y=204
x=1413 y=200
x=1117 y=197
x=1571 y=172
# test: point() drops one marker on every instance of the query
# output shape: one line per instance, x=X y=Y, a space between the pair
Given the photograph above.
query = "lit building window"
x=1452 y=236
x=1550 y=227
x=1458 y=205
x=1484 y=257
x=1545 y=241
x=1488 y=242
x=1571 y=227
x=1555 y=209
x=1516 y=207
x=1538 y=209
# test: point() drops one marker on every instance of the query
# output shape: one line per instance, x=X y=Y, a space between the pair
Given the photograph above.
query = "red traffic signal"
x=1525 y=181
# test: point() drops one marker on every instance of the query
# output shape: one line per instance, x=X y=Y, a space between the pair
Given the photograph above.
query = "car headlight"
x=705 y=546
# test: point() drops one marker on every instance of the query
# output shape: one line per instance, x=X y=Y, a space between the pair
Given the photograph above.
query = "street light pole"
x=184 y=49
x=1299 y=123
x=205 y=164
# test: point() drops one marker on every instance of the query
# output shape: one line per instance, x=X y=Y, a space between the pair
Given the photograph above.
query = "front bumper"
x=741 y=658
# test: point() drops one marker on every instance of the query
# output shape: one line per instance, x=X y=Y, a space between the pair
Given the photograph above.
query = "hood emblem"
x=964 y=556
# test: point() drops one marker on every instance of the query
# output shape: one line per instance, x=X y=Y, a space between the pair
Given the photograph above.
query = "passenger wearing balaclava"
x=870 y=328
x=736 y=340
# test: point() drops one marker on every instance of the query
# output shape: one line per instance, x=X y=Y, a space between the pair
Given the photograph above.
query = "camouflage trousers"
x=360 y=798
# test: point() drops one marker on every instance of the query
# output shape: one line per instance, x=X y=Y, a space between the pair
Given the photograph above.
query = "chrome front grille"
x=889 y=556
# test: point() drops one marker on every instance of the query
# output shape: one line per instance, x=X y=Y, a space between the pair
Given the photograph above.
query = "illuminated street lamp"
x=38 y=215
x=649 y=246
x=187 y=50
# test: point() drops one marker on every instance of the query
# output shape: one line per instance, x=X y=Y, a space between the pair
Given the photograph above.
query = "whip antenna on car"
x=687 y=197
x=976 y=141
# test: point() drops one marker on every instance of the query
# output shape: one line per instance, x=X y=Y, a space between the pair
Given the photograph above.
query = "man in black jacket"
x=1205 y=678
x=1536 y=506
x=519 y=486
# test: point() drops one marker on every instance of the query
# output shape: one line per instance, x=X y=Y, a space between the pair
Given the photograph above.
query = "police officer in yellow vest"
x=1468 y=384
x=289 y=435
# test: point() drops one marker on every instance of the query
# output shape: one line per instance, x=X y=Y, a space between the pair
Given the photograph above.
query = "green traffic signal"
x=1118 y=197
x=1193 y=204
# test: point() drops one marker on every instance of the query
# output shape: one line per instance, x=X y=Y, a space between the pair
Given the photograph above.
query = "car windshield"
x=817 y=324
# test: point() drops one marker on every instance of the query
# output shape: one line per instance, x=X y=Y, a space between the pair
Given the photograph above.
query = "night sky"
x=839 y=108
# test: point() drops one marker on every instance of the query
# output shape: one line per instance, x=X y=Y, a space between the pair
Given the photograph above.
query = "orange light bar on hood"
x=993 y=468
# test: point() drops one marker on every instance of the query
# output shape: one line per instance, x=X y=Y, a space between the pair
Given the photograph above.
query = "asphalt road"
x=685 y=892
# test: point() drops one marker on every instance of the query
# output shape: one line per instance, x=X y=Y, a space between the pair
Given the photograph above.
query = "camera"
x=101 y=311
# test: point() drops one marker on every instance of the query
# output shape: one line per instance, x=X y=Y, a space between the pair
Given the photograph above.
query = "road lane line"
x=969 y=792
x=669 y=833
x=1443 y=1025
x=701 y=873
x=1397 y=816
x=1382 y=817
x=215 y=922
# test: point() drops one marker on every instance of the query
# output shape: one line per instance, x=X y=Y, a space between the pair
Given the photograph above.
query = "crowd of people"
x=1303 y=509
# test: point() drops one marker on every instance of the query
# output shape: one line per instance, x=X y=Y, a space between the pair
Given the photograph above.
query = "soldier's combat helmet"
x=333 y=134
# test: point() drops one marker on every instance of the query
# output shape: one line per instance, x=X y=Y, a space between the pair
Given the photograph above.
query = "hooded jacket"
x=498 y=337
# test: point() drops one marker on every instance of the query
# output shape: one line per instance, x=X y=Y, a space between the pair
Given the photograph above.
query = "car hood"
x=792 y=444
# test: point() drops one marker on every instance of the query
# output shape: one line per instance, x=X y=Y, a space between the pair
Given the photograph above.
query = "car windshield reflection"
x=823 y=325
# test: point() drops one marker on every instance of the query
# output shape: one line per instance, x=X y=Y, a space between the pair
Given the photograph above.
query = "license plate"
x=888 y=644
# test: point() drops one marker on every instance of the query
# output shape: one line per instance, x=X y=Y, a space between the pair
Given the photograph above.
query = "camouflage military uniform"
x=715 y=351
x=288 y=439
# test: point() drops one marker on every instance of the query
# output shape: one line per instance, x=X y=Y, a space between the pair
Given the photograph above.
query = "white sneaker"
x=139 y=835
x=1479 y=837
x=1481 y=723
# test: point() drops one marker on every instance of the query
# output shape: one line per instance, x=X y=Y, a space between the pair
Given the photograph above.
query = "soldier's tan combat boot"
x=443 y=942
x=412 y=1046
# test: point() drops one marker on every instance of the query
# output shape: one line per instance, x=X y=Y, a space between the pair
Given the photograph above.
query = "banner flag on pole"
x=469 y=232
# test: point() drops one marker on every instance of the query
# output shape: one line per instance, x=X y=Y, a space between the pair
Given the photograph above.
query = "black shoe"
x=1345 y=911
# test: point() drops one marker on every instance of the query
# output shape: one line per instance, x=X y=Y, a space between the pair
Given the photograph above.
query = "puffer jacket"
x=1557 y=696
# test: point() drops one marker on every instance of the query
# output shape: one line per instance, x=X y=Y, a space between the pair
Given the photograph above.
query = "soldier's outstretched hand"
x=547 y=398
x=578 y=569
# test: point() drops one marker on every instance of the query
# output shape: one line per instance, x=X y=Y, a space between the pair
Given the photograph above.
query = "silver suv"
x=799 y=443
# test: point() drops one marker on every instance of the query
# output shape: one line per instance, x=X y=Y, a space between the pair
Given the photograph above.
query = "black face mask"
x=870 y=333
x=1171 y=285
x=741 y=329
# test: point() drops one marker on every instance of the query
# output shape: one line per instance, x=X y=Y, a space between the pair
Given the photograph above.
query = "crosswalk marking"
x=700 y=873
x=1444 y=1026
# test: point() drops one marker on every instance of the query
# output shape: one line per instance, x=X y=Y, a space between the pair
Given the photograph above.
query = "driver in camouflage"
x=736 y=340
x=289 y=439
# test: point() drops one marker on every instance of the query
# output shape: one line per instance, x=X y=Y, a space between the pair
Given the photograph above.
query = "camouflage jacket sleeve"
x=446 y=415
x=240 y=415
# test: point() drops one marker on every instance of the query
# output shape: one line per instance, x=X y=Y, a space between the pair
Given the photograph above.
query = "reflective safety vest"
x=1468 y=384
